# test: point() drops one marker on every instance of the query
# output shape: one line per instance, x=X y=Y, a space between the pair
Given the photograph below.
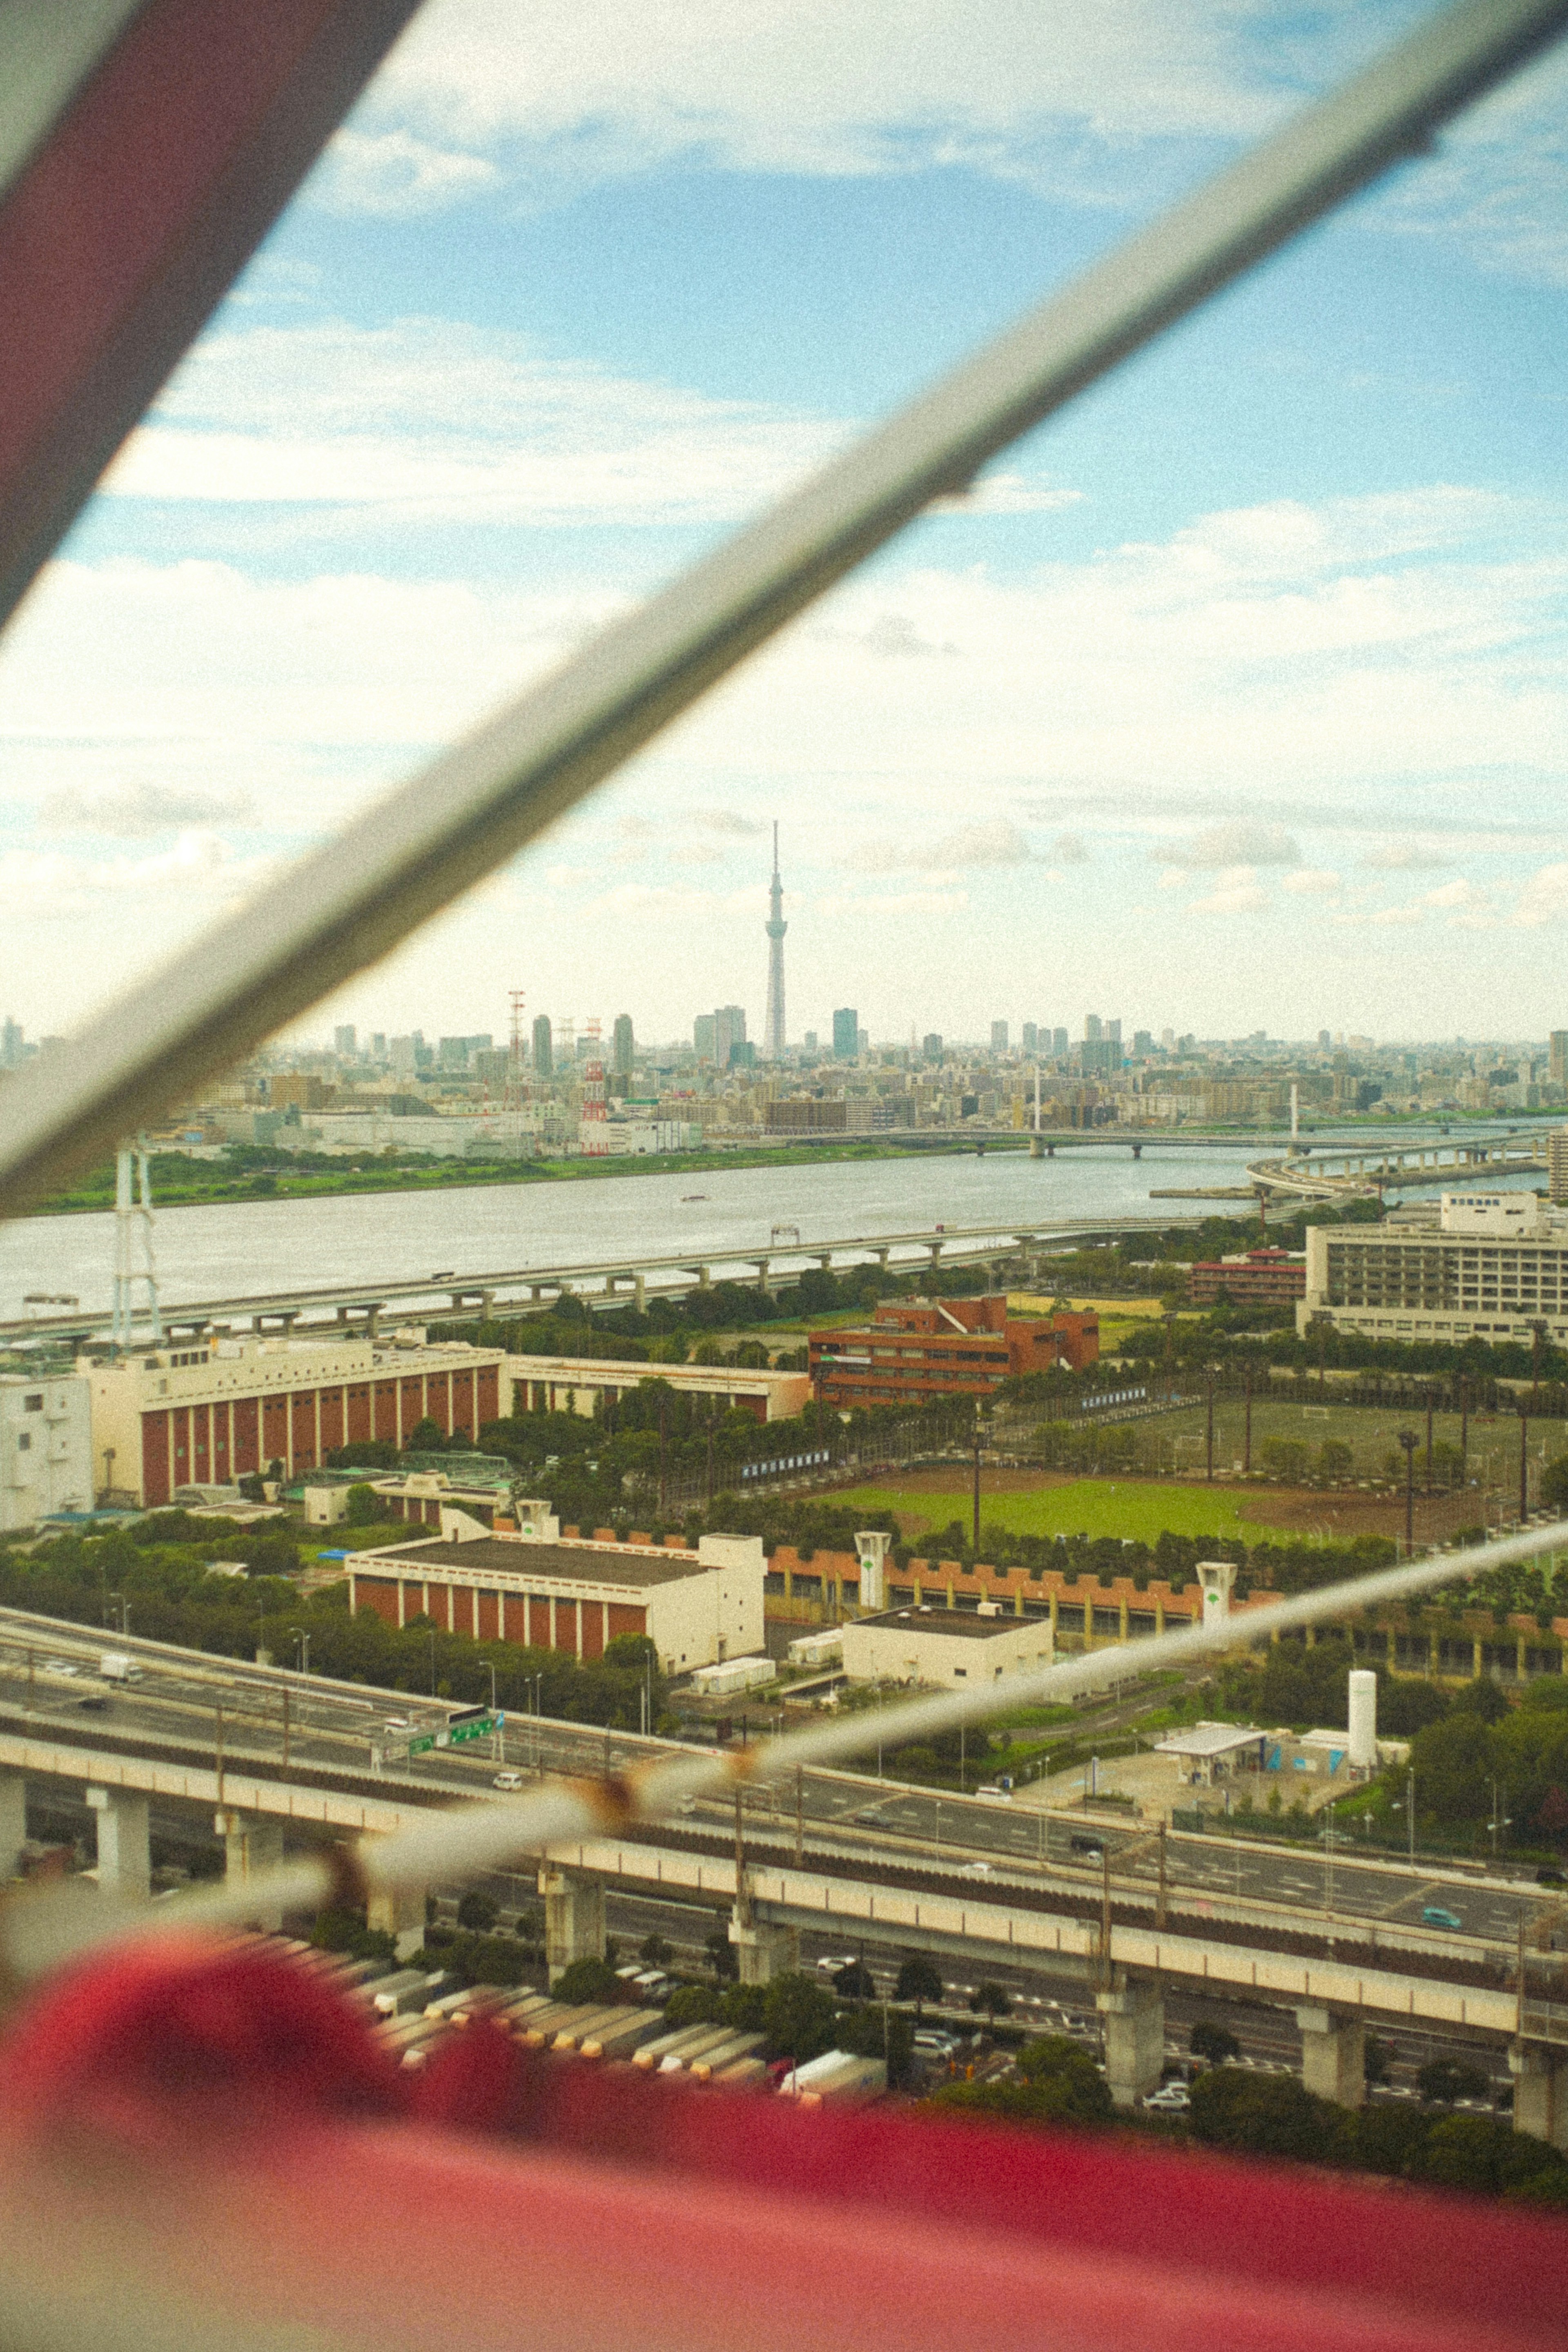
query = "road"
x=48 y=1674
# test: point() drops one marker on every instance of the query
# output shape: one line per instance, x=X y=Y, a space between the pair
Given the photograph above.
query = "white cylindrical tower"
x=1363 y=1744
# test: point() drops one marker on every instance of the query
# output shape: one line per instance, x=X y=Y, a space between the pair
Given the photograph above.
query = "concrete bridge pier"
x=1134 y=2021
x=1036 y=1148
x=1539 y=2093
x=13 y=1821
x=252 y=1845
x=639 y=1293
x=1333 y=2055
x=398 y=1911
x=124 y=1845
x=762 y=1950
x=574 y=1919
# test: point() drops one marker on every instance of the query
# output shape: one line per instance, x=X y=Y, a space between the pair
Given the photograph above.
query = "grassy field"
x=1094 y=1506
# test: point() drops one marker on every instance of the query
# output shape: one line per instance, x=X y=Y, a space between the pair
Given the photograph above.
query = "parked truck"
x=118 y=1666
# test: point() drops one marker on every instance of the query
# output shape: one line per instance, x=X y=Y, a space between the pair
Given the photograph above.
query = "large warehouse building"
x=696 y=1607
x=205 y=1415
x=1482 y=1264
x=576 y=1384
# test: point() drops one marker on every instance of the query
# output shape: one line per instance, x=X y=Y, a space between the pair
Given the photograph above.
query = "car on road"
x=930 y=2042
x=868 y=1813
x=1080 y=1843
x=1170 y=2099
x=508 y=1780
x=1437 y=1915
x=976 y=1870
x=686 y=1805
x=830 y=1964
x=993 y=1790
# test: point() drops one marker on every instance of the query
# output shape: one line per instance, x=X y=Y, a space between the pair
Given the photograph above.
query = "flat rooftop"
x=1209 y=1740
x=965 y=1621
x=535 y=1563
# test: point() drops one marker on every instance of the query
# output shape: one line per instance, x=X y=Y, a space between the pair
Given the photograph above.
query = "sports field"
x=1092 y=1507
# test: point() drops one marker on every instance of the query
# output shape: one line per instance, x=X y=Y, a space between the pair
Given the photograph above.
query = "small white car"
x=1170 y=2099
x=976 y=1870
x=686 y=1805
x=508 y=1780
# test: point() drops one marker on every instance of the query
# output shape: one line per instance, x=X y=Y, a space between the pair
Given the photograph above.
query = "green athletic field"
x=1094 y=1506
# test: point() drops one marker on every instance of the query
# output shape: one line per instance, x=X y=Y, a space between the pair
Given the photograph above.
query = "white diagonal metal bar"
x=349 y=904
x=39 y=1933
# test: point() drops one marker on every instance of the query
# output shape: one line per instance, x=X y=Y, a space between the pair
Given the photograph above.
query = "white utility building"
x=953 y=1648
x=45 y=1447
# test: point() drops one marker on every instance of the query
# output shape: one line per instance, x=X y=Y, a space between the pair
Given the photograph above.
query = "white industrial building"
x=1486 y=1264
x=46 y=1446
x=577 y=1384
x=951 y=1648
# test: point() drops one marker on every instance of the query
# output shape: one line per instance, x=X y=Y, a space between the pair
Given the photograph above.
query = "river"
x=218 y=1252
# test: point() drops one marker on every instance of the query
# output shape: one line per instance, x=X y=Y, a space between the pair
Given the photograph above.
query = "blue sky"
x=1235 y=700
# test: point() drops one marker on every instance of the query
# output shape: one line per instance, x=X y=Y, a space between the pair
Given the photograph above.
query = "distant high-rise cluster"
x=773 y=1020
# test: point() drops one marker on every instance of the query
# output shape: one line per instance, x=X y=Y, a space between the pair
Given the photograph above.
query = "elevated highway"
x=1334 y=1173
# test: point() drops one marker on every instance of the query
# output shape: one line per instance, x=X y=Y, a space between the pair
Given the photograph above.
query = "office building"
x=206 y=1415
x=1093 y=1028
x=623 y=1045
x=1059 y=1042
x=543 y=1048
x=728 y=1031
x=1486 y=1264
x=918 y=1349
x=703 y=1036
x=773 y=1019
x=930 y=1045
x=1557 y=1057
x=845 y=1035
x=344 y=1041
x=1031 y=1037
x=574 y=1594
x=45 y=1447
x=581 y=1383
x=998 y=1037
x=1113 y=1034
x=1557 y=1165
x=951 y=1649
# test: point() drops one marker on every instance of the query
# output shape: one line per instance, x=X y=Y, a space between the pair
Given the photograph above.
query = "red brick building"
x=917 y=1350
x=1274 y=1277
x=209 y=1413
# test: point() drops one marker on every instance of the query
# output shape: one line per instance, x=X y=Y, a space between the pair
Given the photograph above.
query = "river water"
x=243 y=1246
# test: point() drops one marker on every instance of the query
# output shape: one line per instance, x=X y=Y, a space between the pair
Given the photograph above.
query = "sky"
x=1234 y=699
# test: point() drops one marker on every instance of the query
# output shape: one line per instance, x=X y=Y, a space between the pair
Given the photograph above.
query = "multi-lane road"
x=49 y=1677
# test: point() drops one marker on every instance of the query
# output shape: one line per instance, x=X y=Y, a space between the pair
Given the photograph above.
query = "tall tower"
x=773 y=1022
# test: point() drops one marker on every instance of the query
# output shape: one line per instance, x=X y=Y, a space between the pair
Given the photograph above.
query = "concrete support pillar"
x=1134 y=2018
x=639 y=1293
x=763 y=1951
x=398 y=1911
x=1333 y=2056
x=124 y=1847
x=574 y=1919
x=1539 y=2093
x=13 y=1821
x=252 y=1846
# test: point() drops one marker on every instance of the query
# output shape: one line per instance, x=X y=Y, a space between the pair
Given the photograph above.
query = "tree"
x=855 y=1983
x=721 y=1953
x=1260 y=2114
x=691 y=2005
x=654 y=1952
x=364 y=1507
x=919 y=1980
x=1480 y=2152
x=1554 y=1484
x=1376 y=2058
x=427 y=1436
x=587 y=1979
x=990 y=2000
x=1059 y=2083
x=477 y=1910
x=1442 y=2081
x=1215 y=2042
x=799 y=2016
x=1453 y=1761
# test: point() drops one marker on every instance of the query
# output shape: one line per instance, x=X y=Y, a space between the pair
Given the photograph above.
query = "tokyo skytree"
x=773 y=1022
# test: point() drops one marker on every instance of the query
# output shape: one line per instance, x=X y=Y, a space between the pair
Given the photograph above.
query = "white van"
x=118 y=1666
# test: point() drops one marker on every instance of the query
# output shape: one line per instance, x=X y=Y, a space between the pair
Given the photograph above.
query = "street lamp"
x=977 y=1478
x=301 y=1649
x=1407 y=1439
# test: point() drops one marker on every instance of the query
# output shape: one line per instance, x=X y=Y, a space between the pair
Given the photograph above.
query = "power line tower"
x=129 y=1212
x=773 y=1021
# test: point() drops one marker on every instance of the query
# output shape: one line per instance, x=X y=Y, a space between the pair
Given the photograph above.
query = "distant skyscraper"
x=1113 y=1032
x=10 y=1043
x=1059 y=1043
x=998 y=1037
x=728 y=1031
x=1031 y=1037
x=343 y=1039
x=703 y=1036
x=1324 y=1040
x=773 y=1020
x=1093 y=1028
x=623 y=1045
x=1557 y=1069
x=845 y=1035
x=543 y=1048
x=930 y=1045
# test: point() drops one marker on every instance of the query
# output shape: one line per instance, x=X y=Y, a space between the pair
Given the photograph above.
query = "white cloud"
x=437 y=419
x=1231 y=844
x=994 y=841
x=198 y=872
x=1313 y=881
x=1401 y=856
x=1237 y=892
x=1544 y=897
x=1456 y=894
x=392 y=174
x=839 y=907
x=1415 y=912
x=140 y=809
